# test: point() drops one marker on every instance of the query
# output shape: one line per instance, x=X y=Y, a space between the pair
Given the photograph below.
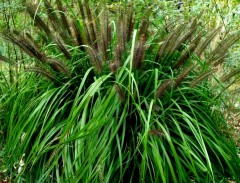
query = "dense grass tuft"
x=111 y=99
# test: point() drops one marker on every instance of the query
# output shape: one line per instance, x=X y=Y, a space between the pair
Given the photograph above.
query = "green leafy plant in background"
x=121 y=99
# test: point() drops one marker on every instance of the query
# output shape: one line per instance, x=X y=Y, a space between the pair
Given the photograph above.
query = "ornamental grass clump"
x=123 y=103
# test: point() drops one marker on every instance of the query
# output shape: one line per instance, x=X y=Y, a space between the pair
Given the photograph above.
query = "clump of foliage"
x=121 y=99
